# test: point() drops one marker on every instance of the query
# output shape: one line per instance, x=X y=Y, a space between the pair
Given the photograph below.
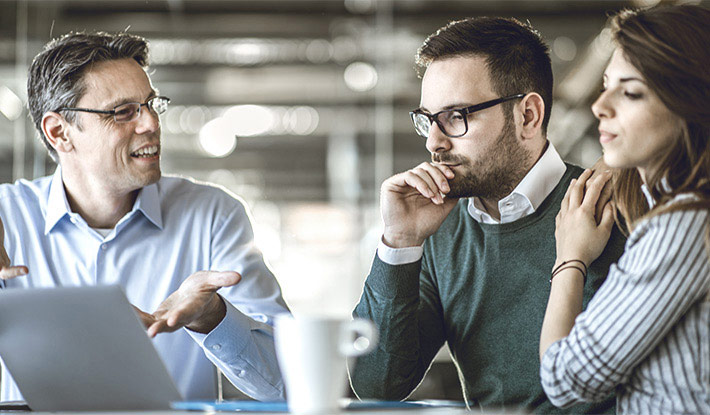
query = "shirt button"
x=73 y=220
x=241 y=373
x=217 y=347
x=104 y=247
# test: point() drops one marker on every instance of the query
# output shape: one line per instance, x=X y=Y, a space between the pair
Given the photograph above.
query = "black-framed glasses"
x=129 y=111
x=454 y=122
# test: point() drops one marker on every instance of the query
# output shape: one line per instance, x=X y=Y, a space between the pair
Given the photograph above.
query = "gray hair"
x=56 y=76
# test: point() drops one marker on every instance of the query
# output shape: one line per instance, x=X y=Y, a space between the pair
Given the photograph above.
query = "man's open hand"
x=195 y=305
x=8 y=271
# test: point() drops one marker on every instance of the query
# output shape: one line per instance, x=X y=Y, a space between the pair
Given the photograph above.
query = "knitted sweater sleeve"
x=404 y=304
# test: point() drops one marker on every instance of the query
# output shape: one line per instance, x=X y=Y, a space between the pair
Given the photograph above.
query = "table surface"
x=412 y=411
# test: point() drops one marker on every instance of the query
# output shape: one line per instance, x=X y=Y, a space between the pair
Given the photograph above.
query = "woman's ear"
x=56 y=129
x=532 y=107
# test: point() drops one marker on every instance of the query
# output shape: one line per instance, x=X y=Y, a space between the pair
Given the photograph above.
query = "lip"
x=605 y=136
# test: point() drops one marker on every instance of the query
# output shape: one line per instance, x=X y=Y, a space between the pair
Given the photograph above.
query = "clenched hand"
x=414 y=205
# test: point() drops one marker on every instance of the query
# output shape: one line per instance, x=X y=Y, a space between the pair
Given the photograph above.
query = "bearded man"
x=468 y=235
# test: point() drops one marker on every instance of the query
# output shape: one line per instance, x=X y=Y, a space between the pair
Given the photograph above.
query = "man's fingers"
x=7 y=273
x=223 y=278
x=153 y=329
x=431 y=184
x=4 y=258
x=440 y=174
x=160 y=313
x=160 y=326
x=146 y=319
x=429 y=179
x=446 y=170
x=179 y=318
x=416 y=182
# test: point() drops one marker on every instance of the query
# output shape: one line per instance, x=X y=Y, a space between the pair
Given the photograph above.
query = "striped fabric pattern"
x=646 y=333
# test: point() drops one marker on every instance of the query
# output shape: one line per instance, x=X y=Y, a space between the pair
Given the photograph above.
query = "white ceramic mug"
x=312 y=351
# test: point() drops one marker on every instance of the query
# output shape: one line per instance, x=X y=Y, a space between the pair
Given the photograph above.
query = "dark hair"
x=669 y=47
x=516 y=56
x=56 y=75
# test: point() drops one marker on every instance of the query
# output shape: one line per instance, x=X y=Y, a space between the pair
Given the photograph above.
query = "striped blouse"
x=646 y=333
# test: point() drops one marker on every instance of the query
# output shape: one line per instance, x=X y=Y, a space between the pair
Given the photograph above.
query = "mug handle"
x=362 y=329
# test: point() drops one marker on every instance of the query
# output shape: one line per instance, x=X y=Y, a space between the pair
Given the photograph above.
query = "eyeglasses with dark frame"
x=129 y=111
x=454 y=122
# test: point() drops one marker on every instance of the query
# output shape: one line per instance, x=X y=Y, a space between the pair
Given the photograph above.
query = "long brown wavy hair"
x=669 y=47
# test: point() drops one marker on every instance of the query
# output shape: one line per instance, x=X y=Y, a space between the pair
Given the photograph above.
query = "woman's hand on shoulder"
x=579 y=235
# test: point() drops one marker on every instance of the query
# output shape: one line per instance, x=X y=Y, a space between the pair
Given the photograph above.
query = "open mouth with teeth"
x=146 y=152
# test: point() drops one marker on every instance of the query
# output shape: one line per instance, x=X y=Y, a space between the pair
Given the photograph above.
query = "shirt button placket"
x=99 y=261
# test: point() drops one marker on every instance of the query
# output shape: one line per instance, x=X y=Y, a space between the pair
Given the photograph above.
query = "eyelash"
x=627 y=94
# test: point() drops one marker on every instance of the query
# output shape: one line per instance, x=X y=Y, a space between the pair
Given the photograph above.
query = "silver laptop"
x=81 y=349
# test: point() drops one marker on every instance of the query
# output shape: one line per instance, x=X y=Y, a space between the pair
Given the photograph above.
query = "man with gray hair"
x=184 y=252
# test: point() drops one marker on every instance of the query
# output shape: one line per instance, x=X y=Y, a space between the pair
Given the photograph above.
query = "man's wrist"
x=401 y=241
x=214 y=315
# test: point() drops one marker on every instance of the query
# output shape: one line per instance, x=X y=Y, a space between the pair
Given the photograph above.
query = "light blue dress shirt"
x=176 y=227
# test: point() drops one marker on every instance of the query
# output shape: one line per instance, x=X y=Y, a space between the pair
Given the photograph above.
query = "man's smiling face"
x=121 y=157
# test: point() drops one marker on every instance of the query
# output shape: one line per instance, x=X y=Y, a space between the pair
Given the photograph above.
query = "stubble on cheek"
x=494 y=175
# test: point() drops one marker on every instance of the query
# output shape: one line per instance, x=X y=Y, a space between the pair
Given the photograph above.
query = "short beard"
x=493 y=175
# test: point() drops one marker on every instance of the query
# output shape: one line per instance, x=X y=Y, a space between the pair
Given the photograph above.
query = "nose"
x=437 y=141
x=602 y=106
x=147 y=121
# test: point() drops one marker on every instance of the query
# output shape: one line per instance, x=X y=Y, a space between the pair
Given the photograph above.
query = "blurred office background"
x=301 y=108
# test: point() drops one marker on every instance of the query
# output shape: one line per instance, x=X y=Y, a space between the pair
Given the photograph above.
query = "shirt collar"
x=147 y=202
x=664 y=185
x=542 y=179
x=681 y=197
x=57 y=205
x=537 y=184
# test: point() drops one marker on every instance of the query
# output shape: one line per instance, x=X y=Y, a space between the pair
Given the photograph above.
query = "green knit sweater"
x=483 y=289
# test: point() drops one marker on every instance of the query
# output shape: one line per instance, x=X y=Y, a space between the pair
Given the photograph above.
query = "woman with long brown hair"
x=646 y=333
